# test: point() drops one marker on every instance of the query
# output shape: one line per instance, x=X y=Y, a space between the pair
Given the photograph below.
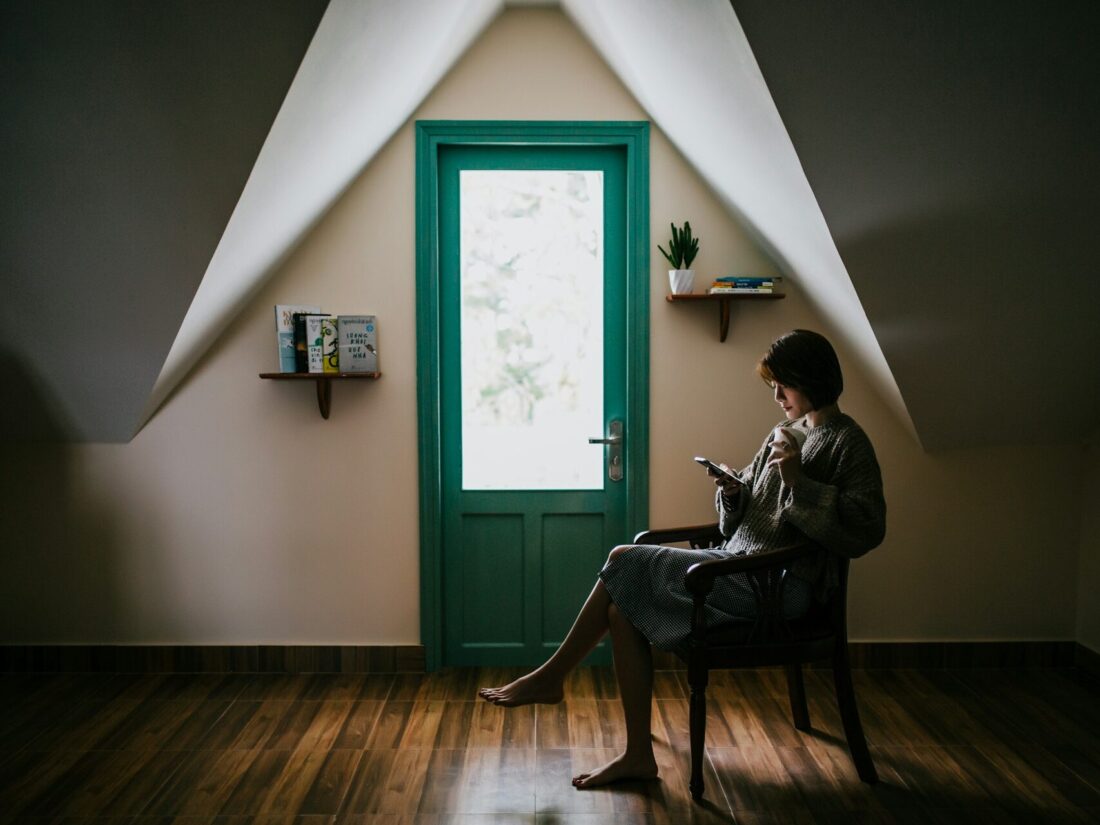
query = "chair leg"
x=698 y=731
x=849 y=714
x=796 y=690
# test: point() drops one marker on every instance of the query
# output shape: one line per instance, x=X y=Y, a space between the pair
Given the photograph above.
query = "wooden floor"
x=950 y=746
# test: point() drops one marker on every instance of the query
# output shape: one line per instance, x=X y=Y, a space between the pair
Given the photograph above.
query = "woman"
x=825 y=486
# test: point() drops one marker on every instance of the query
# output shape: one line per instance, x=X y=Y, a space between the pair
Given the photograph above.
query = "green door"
x=534 y=267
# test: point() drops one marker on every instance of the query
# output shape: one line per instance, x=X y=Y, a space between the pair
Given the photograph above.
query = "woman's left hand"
x=787 y=458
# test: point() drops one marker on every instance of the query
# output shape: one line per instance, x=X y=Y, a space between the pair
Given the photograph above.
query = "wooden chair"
x=765 y=641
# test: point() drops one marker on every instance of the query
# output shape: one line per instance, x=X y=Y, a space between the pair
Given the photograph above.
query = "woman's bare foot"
x=532 y=689
x=624 y=766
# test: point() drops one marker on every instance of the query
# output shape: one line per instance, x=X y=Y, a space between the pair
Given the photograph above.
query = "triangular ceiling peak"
x=371 y=64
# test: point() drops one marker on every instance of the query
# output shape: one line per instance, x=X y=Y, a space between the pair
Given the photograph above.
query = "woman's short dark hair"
x=804 y=361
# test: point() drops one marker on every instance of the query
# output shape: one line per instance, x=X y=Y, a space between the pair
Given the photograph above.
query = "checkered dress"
x=839 y=505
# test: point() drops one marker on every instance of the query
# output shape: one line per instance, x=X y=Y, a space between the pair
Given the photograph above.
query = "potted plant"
x=682 y=250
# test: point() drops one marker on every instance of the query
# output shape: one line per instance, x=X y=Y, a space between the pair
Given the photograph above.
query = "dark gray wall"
x=953 y=148
x=128 y=132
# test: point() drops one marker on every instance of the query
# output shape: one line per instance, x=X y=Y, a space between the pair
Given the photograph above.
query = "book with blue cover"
x=284 y=332
x=746 y=285
x=748 y=280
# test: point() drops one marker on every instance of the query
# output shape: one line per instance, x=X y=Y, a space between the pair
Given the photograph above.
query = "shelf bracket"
x=723 y=319
x=324 y=396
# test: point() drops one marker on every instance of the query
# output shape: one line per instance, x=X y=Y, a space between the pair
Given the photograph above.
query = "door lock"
x=614 y=443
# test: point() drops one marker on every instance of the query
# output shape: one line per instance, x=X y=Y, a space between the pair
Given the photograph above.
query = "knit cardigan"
x=838 y=503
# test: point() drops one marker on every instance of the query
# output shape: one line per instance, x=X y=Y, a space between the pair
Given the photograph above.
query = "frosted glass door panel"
x=531 y=262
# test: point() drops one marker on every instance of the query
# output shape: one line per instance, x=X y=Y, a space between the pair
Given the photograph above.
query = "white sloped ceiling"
x=371 y=64
x=692 y=69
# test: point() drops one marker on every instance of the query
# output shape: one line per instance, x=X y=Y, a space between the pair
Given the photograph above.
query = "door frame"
x=431 y=136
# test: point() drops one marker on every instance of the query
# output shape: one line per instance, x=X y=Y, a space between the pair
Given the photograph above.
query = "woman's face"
x=793 y=402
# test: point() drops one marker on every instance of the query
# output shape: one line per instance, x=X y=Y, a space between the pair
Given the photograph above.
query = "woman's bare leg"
x=544 y=684
x=634 y=671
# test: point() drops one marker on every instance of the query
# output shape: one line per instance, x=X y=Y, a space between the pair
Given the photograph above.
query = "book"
x=301 y=350
x=746 y=282
x=329 y=350
x=315 y=342
x=746 y=285
x=741 y=290
x=748 y=279
x=358 y=337
x=284 y=333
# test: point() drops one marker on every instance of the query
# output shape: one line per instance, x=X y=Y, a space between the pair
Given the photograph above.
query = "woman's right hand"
x=726 y=484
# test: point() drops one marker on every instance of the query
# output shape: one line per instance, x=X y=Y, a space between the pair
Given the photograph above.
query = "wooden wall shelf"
x=723 y=302
x=324 y=383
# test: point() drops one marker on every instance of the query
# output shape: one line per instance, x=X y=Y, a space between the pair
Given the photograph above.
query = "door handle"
x=614 y=443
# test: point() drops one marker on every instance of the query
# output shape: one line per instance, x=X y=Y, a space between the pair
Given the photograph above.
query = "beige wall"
x=1088 y=585
x=238 y=515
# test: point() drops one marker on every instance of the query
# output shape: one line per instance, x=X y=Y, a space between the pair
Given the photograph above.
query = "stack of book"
x=745 y=285
x=313 y=341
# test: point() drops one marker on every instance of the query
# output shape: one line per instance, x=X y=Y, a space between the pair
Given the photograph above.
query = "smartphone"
x=719 y=471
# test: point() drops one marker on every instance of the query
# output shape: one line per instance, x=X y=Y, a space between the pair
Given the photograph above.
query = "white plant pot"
x=681 y=281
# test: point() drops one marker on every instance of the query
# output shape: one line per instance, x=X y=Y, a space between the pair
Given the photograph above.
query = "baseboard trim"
x=937 y=655
x=412 y=659
x=212 y=659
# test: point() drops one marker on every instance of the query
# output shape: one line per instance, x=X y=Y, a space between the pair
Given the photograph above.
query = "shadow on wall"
x=29 y=413
x=58 y=563
x=985 y=305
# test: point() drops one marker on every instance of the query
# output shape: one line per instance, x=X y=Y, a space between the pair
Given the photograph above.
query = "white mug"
x=792 y=435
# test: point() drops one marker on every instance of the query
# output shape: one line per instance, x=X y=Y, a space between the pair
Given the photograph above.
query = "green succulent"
x=682 y=249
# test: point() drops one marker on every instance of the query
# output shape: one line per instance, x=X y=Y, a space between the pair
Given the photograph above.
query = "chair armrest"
x=699 y=535
x=700 y=576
